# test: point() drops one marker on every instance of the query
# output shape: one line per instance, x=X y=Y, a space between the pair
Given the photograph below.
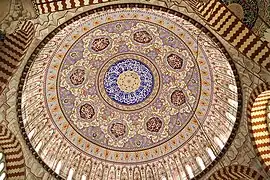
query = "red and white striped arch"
x=47 y=6
x=258 y=122
x=236 y=172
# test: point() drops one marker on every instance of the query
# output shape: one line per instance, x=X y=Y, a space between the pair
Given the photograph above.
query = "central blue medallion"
x=128 y=82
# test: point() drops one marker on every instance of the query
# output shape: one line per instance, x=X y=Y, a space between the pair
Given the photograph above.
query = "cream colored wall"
x=12 y=12
x=4 y=8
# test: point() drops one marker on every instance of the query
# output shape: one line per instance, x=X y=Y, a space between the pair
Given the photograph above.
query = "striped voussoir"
x=13 y=50
x=13 y=153
x=229 y=27
x=47 y=6
x=257 y=123
x=235 y=172
x=268 y=114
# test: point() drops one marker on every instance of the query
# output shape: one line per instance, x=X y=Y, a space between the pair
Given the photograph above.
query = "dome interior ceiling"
x=129 y=88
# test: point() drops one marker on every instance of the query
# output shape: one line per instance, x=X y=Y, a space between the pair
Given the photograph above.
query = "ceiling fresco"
x=130 y=93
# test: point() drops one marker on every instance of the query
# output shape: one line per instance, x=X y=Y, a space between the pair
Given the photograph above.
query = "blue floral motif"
x=128 y=98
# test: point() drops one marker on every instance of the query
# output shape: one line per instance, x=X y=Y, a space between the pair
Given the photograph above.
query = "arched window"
x=70 y=174
x=163 y=178
x=231 y=117
x=211 y=154
x=58 y=167
x=83 y=177
x=223 y=138
x=200 y=163
x=233 y=102
x=38 y=146
x=182 y=173
x=189 y=171
x=3 y=176
x=30 y=135
x=233 y=87
x=2 y=167
x=219 y=142
x=183 y=176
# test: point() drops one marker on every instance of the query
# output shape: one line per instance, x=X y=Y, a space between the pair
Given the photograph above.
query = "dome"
x=129 y=91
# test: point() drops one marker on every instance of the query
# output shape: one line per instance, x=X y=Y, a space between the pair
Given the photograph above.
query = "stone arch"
x=236 y=172
x=12 y=149
x=257 y=123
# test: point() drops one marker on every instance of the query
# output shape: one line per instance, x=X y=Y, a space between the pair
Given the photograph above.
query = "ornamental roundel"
x=100 y=44
x=142 y=37
x=178 y=98
x=129 y=88
x=77 y=77
x=86 y=111
x=118 y=129
x=154 y=124
x=128 y=81
x=175 y=61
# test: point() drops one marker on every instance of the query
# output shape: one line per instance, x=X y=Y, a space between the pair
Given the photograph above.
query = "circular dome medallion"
x=128 y=82
x=127 y=88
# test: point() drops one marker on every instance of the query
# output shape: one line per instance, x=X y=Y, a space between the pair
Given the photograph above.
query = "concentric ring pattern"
x=130 y=93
